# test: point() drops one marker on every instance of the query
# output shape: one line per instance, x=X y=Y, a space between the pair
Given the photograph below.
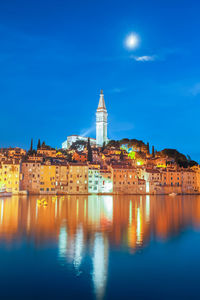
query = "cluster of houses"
x=111 y=171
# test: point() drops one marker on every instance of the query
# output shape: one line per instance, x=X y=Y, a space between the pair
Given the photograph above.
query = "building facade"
x=10 y=175
x=75 y=138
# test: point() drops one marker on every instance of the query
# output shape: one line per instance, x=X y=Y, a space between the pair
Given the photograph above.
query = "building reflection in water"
x=81 y=225
x=62 y=243
x=100 y=264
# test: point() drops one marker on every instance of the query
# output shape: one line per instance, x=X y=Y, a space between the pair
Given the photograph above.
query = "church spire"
x=101 y=101
x=101 y=122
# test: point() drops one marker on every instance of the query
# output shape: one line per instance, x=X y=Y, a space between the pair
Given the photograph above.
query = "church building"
x=101 y=128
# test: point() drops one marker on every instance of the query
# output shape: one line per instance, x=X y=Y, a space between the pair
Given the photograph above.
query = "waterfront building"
x=61 y=183
x=93 y=178
x=10 y=175
x=171 y=177
x=47 y=178
x=125 y=179
x=31 y=176
x=99 y=180
x=78 y=178
x=105 y=181
x=189 y=181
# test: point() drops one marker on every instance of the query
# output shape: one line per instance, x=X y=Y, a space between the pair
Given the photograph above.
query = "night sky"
x=55 y=56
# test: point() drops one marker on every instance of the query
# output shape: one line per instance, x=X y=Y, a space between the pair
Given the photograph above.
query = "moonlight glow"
x=132 y=41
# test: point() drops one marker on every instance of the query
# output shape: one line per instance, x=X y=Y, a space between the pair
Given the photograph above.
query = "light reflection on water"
x=85 y=230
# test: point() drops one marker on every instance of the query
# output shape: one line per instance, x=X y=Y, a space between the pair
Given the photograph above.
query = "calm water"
x=100 y=247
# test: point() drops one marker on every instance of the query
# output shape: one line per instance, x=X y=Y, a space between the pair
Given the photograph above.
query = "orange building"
x=10 y=175
x=31 y=176
x=79 y=156
x=46 y=151
x=125 y=179
x=48 y=178
x=78 y=178
x=61 y=183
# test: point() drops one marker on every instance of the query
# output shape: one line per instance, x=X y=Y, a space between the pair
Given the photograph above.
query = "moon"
x=132 y=41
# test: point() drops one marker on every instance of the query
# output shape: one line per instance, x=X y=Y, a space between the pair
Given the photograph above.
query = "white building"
x=101 y=128
x=99 y=181
x=101 y=122
x=74 y=138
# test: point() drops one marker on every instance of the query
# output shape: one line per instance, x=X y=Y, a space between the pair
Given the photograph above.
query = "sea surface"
x=100 y=247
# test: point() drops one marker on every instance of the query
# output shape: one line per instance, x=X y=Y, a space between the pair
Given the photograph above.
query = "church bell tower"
x=101 y=122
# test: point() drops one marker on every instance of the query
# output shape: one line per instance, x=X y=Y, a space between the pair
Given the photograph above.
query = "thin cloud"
x=144 y=58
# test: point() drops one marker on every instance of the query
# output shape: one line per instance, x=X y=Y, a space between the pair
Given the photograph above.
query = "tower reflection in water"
x=81 y=226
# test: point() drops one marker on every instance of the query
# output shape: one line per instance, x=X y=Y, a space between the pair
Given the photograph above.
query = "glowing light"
x=130 y=212
x=132 y=41
x=100 y=265
x=147 y=186
x=139 y=229
x=2 y=210
x=130 y=150
x=62 y=244
x=79 y=242
x=108 y=207
x=132 y=155
x=147 y=208
x=161 y=166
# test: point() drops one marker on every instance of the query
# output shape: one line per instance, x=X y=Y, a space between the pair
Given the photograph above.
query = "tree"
x=89 y=150
x=103 y=147
x=124 y=141
x=179 y=158
x=78 y=145
x=148 y=147
x=113 y=143
x=38 y=145
x=69 y=156
x=31 y=148
x=153 y=154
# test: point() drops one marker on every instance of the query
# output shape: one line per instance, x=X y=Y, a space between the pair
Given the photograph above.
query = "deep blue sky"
x=55 y=56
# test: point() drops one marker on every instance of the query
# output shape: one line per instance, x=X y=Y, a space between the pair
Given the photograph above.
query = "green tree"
x=78 y=145
x=38 y=145
x=153 y=154
x=178 y=157
x=69 y=156
x=31 y=147
x=113 y=143
x=103 y=147
x=89 y=151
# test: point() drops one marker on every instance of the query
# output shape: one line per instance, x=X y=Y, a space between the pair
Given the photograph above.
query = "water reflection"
x=81 y=226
